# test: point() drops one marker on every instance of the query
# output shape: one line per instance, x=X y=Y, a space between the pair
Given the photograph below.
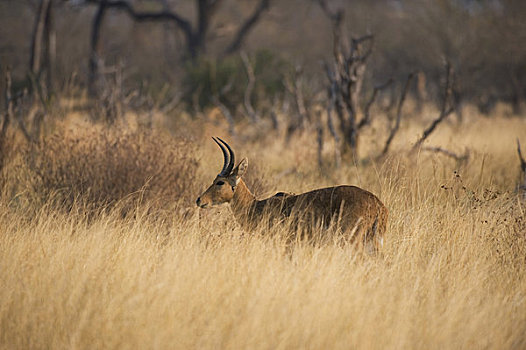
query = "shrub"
x=99 y=168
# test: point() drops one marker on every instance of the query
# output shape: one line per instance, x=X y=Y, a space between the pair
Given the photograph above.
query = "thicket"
x=101 y=168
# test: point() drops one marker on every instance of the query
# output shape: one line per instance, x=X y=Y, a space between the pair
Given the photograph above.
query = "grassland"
x=452 y=274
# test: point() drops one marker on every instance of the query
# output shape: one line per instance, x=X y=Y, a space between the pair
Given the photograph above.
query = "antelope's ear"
x=240 y=169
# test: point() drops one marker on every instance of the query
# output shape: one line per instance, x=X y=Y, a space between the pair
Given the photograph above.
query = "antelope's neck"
x=243 y=203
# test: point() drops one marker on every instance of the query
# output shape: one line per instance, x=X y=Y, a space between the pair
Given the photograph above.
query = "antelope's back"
x=351 y=205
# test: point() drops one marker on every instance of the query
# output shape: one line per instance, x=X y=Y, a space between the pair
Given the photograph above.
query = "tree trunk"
x=205 y=11
x=37 y=39
x=95 y=59
x=43 y=44
x=350 y=144
x=51 y=48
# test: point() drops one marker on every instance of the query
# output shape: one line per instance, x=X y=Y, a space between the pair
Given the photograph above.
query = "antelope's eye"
x=220 y=183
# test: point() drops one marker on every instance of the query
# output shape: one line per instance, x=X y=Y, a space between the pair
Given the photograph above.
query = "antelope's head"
x=224 y=186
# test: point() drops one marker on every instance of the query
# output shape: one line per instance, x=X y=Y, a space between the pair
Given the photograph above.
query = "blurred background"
x=186 y=54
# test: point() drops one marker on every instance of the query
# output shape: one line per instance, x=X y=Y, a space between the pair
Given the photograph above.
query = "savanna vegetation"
x=103 y=153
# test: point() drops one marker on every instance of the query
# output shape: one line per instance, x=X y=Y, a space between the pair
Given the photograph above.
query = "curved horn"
x=230 y=166
x=226 y=162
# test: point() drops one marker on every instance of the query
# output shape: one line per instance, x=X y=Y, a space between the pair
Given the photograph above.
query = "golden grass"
x=452 y=275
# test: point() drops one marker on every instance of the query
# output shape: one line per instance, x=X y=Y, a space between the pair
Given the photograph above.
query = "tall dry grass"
x=452 y=274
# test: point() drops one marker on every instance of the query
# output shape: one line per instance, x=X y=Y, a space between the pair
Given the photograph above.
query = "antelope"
x=359 y=215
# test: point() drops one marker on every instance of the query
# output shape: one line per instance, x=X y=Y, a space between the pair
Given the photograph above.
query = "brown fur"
x=358 y=214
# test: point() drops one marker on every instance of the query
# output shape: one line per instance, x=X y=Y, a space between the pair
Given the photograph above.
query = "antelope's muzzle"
x=200 y=203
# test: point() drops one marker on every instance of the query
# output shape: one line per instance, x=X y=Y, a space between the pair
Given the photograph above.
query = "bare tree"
x=195 y=35
x=346 y=78
x=43 y=45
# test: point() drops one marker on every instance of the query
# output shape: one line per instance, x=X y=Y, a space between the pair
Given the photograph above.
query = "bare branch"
x=294 y=88
x=330 y=124
x=445 y=110
x=274 y=114
x=21 y=123
x=362 y=39
x=357 y=46
x=181 y=22
x=298 y=95
x=226 y=113
x=337 y=45
x=10 y=112
x=247 y=26
x=457 y=157
x=172 y=104
x=366 y=120
x=250 y=87
x=331 y=14
x=398 y=115
x=521 y=158
x=522 y=186
x=103 y=5
x=319 y=131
